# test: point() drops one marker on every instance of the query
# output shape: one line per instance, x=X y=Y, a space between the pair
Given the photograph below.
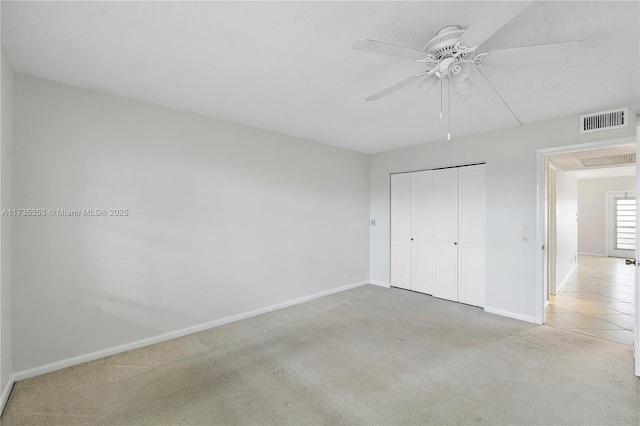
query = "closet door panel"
x=401 y=230
x=445 y=198
x=471 y=273
x=471 y=276
x=422 y=232
x=401 y=264
x=423 y=267
x=445 y=225
x=446 y=273
x=471 y=217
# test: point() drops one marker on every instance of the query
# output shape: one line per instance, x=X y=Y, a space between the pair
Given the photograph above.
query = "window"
x=624 y=216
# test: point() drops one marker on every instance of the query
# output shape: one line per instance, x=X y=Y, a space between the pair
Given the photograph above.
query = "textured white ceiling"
x=289 y=66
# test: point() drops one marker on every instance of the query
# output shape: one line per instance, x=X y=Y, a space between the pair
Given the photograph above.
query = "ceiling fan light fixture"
x=462 y=87
x=459 y=71
x=451 y=55
x=428 y=84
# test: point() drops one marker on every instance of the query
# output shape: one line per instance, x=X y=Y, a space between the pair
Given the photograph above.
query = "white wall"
x=510 y=155
x=566 y=226
x=6 y=111
x=223 y=219
x=592 y=209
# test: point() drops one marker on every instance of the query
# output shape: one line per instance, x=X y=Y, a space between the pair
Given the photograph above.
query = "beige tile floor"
x=596 y=301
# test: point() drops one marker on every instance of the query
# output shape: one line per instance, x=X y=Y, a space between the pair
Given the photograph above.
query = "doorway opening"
x=588 y=231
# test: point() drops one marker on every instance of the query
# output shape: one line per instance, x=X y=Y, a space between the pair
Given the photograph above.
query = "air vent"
x=609 y=160
x=604 y=120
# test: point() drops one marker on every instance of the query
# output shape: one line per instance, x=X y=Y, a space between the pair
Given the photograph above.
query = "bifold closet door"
x=401 y=230
x=471 y=188
x=437 y=233
x=423 y=245
x=445 y=222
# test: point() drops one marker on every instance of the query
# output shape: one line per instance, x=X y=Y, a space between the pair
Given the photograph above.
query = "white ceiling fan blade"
x=396 y=86
x=493 y=89
x=493 y=18
x=532 y=54
x=388 y=49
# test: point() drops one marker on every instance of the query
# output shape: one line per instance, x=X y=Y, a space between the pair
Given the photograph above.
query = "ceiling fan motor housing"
x=441 y=46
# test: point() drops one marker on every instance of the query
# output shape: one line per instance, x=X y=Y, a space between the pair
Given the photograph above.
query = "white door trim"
x=552 y=231
x=540 y=211
x=636 y=334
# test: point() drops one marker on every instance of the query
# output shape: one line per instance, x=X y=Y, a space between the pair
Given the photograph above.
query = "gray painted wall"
x=6 y=111
x=566 y=226
x=223 y=219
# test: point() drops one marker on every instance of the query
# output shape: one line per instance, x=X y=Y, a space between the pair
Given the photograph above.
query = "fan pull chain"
x=449 y=109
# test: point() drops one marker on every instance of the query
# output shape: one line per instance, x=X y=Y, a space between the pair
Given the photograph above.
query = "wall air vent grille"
x=609 y=160
x=604 y=120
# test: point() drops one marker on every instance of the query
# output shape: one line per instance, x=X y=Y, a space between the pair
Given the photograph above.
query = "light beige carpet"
x=366 y=356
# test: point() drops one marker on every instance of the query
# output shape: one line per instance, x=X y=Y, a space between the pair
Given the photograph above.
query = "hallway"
x=596 y=301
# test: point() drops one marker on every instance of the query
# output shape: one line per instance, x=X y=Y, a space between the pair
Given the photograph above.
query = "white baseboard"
x=315 y=296
x=4 y=397
x=510 y=314
x=564 y=281
x=380 y=283
x=592 y=254
x=59 y=365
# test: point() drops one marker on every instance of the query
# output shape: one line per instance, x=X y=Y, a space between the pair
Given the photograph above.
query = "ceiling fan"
x=451 y=55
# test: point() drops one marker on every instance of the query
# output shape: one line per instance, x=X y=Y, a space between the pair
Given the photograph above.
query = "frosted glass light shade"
x=462 y=87
x=459 y=71
x=429 y=84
